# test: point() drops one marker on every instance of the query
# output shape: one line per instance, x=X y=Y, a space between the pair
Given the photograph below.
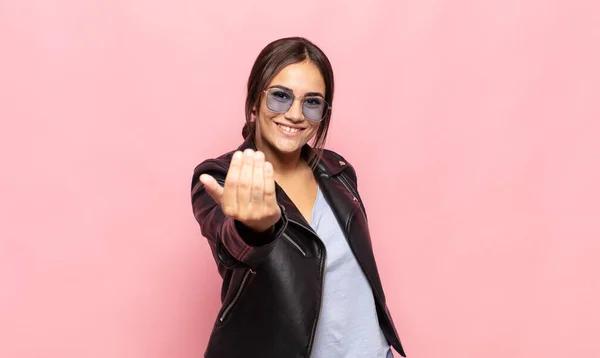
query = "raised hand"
x=248 y=194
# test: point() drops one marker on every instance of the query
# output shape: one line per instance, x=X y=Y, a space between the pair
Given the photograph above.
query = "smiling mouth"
x=289 y=129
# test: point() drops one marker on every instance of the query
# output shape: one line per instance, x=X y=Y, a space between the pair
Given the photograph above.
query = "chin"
x=288 y=146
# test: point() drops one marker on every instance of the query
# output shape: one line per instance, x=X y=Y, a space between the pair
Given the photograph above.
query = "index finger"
x=231 y=180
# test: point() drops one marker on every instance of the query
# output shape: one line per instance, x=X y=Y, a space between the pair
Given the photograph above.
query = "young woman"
x=287 y=227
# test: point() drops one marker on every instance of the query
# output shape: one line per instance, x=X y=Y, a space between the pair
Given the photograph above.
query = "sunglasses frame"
x=266 y=91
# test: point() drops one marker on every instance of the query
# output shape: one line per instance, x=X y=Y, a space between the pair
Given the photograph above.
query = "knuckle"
x=243 y=184
x=231 y=181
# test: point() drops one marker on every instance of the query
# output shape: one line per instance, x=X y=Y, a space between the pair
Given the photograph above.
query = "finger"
x=229 y=201
x=269 y=186
x=258 y=181
x=244 y=191
x=212 y=187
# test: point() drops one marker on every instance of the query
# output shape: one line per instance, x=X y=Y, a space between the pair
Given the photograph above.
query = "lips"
x=288 y=129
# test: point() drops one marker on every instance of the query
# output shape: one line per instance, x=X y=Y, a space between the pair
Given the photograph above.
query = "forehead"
x=301 y=77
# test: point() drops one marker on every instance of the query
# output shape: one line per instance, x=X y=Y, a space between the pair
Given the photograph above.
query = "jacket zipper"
x=294 y=243
x=237 y=294
x=322 y=268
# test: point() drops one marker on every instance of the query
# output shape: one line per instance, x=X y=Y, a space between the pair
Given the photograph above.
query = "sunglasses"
x=279 y=100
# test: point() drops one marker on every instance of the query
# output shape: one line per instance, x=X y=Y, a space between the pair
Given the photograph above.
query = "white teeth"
x=288 y=129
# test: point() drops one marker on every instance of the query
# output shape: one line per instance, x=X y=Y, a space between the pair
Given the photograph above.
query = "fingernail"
x=249 y=153
x=237 y=155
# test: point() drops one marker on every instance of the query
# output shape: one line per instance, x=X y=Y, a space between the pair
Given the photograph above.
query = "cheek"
x=263 y=119
x=265 y=114
x=266 y=117
x=312 y=132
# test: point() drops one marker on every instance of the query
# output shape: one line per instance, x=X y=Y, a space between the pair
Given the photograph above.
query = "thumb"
x=212 y=187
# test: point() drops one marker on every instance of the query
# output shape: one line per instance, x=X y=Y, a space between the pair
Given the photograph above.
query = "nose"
x=295 y=114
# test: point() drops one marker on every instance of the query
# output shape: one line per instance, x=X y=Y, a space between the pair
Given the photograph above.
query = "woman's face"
x=286 y=133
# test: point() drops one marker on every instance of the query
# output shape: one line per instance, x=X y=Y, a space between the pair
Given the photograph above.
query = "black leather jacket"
x=272 y=285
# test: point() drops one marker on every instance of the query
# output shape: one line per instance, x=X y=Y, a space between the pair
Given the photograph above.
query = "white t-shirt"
x=348 y=326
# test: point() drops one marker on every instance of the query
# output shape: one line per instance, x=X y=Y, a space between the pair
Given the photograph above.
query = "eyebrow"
x=308 y=94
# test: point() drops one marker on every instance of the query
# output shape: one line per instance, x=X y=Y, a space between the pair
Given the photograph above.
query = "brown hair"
x=271 y=60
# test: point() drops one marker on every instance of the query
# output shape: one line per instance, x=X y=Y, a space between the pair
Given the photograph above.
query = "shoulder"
x=219 y=163
x=329 y=154
x=336 y=164
x=217 y=167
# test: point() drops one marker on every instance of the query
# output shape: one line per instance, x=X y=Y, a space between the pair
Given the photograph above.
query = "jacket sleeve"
x=233 y=244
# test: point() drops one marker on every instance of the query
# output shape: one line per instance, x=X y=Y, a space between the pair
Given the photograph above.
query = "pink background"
x=474 y=127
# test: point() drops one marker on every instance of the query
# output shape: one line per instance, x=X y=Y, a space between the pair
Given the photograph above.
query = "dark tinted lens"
x=279 y=100
x=314 y=108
